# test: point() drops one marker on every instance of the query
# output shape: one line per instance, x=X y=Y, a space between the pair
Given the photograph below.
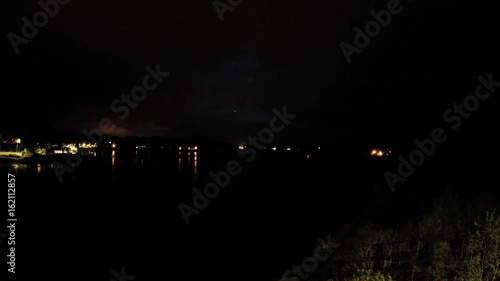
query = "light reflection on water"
x=180 y=161
x=195 y=165
x=24 y=168
x=187 y=163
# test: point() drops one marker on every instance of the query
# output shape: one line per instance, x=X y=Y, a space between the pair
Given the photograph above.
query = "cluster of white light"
x=274 y=148
x=87 y=145
x=70 y=148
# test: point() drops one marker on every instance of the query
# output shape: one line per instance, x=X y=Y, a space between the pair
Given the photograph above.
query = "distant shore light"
x=378 y=153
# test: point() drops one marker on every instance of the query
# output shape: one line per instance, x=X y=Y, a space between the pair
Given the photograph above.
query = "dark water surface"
x=122 y=211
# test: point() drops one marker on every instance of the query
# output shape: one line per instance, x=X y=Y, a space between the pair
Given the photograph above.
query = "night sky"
x=226 y=77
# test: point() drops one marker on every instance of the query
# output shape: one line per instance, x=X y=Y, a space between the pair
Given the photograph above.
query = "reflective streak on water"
x=121 y=209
